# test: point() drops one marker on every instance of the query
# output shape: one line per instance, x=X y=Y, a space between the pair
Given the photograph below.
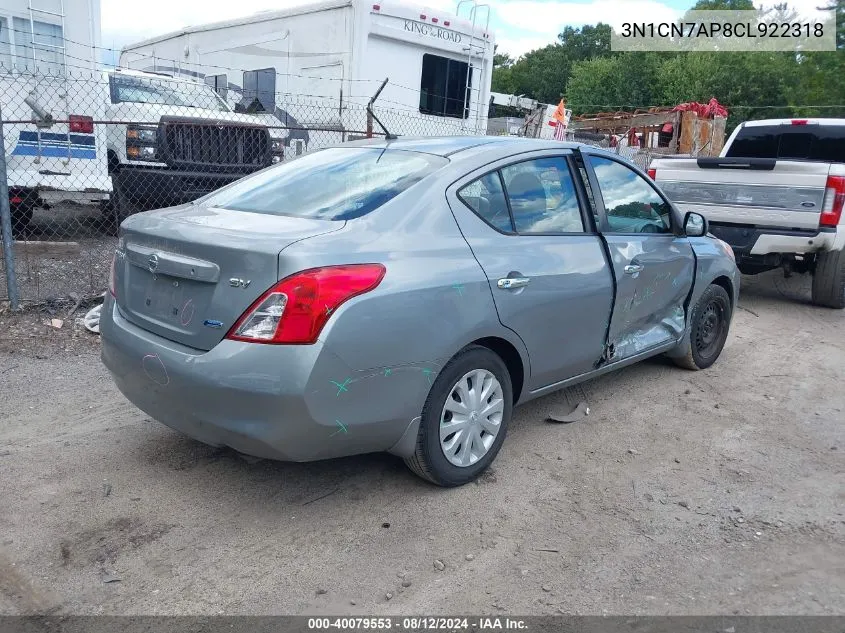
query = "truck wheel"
x=829 y=280
x=21 y=217
x=118 y=208
x=464 y=420
x=709 y=324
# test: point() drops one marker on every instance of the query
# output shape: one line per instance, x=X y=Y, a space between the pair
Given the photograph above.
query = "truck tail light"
x=800 y=122
x=834 y=200
x=295 y=310
x=113 y=277
x=81 y=124
x=652 y=173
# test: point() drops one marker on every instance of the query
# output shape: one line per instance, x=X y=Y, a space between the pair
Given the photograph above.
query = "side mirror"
x=695 y=225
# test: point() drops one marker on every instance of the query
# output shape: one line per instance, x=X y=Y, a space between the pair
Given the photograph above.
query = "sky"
x=519 y=25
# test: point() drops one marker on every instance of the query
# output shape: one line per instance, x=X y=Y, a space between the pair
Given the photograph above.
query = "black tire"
x=119 y=207
x=709 y=324
x=829 y=280
x=21 y=217
x=429 y=460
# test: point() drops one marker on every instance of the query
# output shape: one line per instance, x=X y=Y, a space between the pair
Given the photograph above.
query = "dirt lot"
x=682 y=493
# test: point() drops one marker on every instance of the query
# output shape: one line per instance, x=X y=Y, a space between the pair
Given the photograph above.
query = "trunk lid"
x=187 y=273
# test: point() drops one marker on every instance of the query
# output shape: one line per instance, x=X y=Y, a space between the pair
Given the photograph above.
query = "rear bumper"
x=157 y=188
x=276 y=402
x=750 y=241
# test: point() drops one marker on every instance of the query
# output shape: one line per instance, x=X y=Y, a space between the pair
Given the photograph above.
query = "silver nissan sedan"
x=405 y=295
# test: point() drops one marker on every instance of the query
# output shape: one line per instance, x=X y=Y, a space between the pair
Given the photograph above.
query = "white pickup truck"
x=775 y=194
x=145 y=140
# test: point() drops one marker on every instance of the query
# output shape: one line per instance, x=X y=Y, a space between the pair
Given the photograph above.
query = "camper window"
x=259 y=91
x=38 y=47
x=443 y=87
x=219 y=83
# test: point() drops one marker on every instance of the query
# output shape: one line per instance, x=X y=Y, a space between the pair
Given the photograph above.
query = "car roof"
x=452 y=145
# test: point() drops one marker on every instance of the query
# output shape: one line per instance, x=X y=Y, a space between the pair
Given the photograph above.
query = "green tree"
x=502 y=60
x=744 y=82
x=543 y=73
x=624 y=81
x=822 y=74
x=724 y=5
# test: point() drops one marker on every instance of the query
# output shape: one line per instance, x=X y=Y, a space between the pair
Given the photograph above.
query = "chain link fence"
x=85 y=150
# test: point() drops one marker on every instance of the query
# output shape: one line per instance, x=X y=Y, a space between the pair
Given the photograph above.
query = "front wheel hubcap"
x=471 y=417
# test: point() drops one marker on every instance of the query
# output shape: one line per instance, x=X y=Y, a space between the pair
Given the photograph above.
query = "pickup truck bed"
x=774 y=212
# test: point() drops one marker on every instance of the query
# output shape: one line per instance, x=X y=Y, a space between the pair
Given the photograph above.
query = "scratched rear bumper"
x=292 y=403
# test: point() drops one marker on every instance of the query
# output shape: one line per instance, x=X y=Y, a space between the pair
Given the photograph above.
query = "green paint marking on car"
x=341 y=386
x=343 y=429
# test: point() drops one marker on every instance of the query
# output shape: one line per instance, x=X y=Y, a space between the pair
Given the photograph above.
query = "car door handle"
x=509 y=283
x=632 y=269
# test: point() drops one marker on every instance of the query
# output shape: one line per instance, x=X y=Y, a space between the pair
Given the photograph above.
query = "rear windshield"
x=824 y=143
x=332 y=184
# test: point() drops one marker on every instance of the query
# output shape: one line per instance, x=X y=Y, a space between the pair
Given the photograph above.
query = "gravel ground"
x=717 y=492
x=48 y=276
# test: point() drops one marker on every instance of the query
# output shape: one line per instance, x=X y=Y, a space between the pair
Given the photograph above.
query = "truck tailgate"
x=787 y=194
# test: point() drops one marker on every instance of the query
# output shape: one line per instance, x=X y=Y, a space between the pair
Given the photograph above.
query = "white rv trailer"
x=317 y=66
x=48 y=59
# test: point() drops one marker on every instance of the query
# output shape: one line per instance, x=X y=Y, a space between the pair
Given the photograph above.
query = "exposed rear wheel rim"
x=471 y=417
x=710 y=329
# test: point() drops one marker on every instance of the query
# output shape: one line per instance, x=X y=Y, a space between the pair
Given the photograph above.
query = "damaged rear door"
x=653 y=262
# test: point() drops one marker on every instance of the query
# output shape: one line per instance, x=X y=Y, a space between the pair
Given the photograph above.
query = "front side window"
x=631 y=204
x=38 y=47
x=331 y=184
x=542 y=196
x=136 y=89
x=443 y=86
x=486 y=197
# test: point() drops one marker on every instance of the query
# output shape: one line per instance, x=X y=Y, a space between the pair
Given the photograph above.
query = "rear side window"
x=486 y=197
x=332 y=184
x=542 y=196
x=824 y=143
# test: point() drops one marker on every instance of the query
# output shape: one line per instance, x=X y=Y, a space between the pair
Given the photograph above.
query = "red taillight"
x=800 y=121
x=81 y=124
x=434 y=20
x=422 y=16
x=295 y=310
x=652 y=173
x=15 y=200
x=113 y=277
x=446 y=23
x=376 y=7
x=834 y=200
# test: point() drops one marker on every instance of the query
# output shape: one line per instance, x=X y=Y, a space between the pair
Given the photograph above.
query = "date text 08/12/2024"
x=416 y=624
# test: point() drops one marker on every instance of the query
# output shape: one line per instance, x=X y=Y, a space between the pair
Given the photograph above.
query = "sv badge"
x=239 y=283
